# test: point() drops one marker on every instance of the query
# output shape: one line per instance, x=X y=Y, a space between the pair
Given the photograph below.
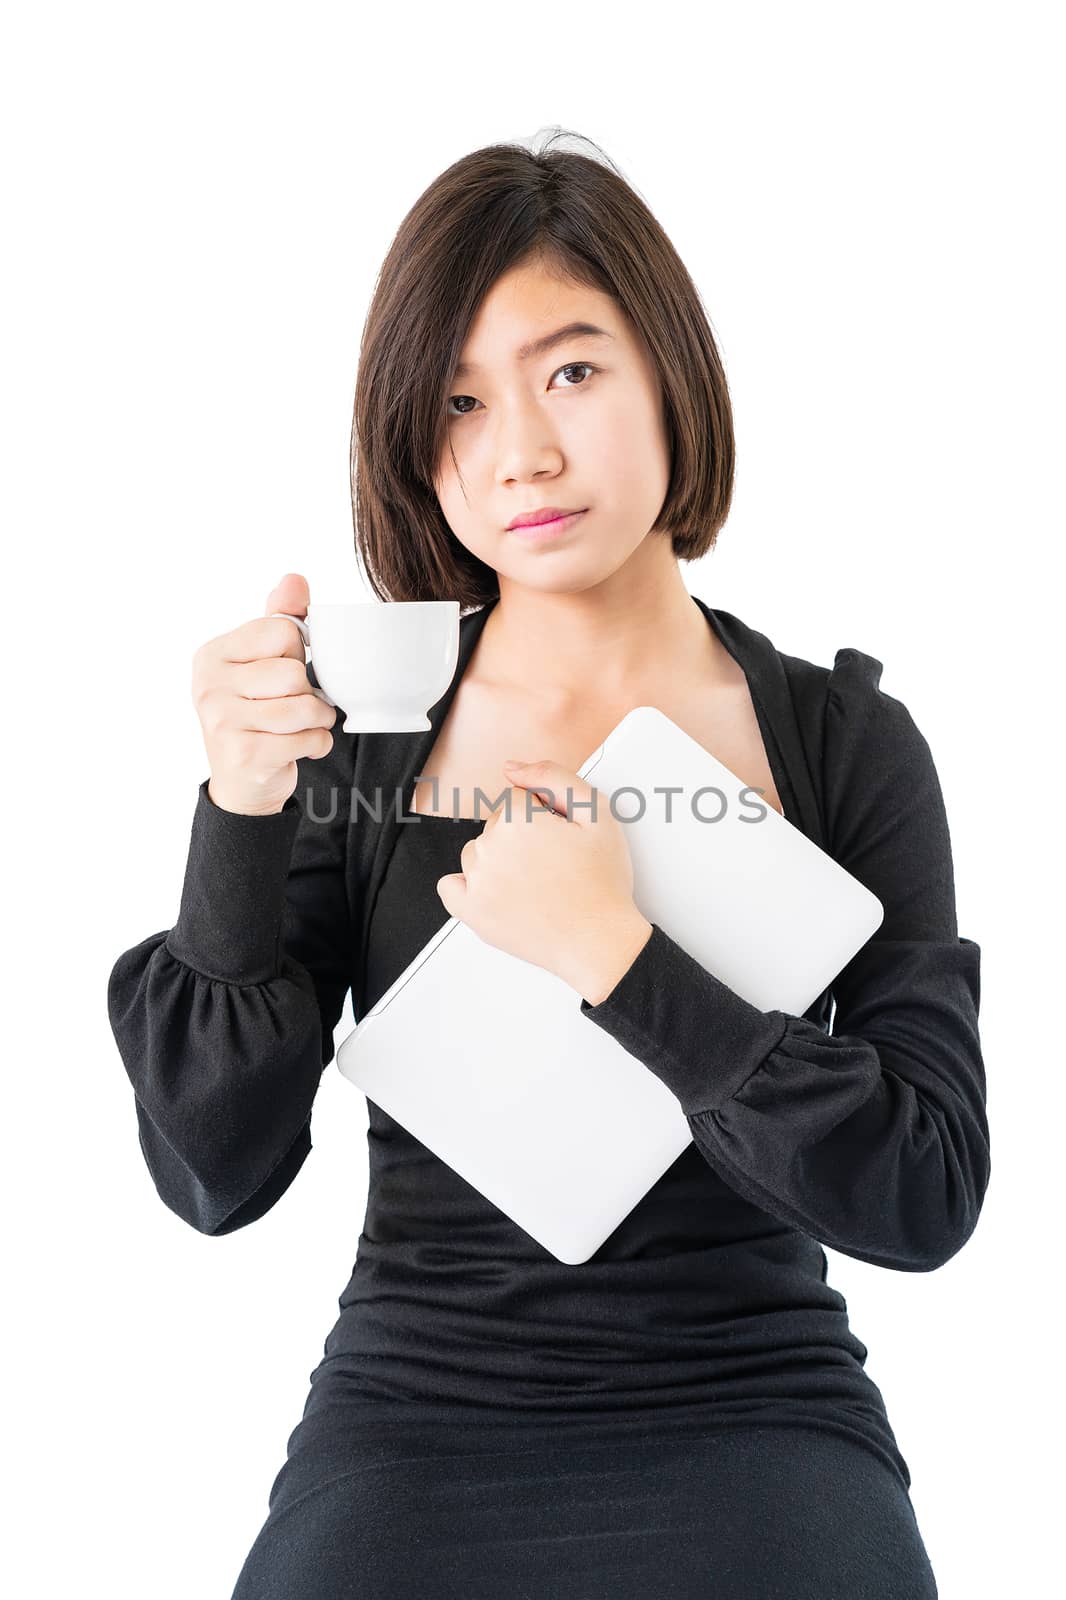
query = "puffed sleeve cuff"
x=233 y=900
x=688 y=1027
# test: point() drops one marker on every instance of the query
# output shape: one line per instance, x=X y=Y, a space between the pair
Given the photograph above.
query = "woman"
x=687 y=1413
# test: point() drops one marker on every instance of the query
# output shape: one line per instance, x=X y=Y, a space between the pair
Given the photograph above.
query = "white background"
x=196 y=201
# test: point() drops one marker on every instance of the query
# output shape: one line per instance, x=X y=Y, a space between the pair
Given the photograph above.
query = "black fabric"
x=480 y=1512
x=708 y=1307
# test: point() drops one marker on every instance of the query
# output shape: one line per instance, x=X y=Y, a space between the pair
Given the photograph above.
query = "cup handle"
x=305 y=635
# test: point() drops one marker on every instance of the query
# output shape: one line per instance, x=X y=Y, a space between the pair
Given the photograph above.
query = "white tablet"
x=488 y=1060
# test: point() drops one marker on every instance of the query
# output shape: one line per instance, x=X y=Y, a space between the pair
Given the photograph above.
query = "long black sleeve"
x=872 y=1139
x=225 y=1022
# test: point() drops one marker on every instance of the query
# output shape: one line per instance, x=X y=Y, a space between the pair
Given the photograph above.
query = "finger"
x=562 y=790
x=262 y=639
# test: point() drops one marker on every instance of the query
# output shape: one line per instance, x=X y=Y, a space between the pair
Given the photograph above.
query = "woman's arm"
x=874 y=1139
x=225 y=1022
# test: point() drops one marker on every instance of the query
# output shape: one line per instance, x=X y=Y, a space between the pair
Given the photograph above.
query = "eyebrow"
x=547 y=341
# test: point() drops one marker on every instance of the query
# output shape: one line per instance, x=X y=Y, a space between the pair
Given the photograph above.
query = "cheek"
x=616 y=427
x=621 y=461
x=458 y=496
x=445 y=484
x=462 y=519
x=450 y=497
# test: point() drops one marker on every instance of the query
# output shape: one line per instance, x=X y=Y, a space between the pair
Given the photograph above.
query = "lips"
x=533 y=519
x=547 y=532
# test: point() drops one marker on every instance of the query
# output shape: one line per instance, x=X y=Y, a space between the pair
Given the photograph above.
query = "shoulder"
x=852 y=685
x=869 y=735
x=847 y=704
x=884 y=805
x=841 y=711
x=837 y=707
x=874 y=765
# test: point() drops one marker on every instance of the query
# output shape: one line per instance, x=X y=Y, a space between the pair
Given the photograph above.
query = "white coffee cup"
x=383 y=662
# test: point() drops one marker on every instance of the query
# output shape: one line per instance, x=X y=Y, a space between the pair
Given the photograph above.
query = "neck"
x=603 y=639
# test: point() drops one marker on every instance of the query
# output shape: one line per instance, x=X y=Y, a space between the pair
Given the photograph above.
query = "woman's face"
x=578 y=425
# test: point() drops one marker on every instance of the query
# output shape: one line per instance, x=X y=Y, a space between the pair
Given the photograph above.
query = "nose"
x=525 y=447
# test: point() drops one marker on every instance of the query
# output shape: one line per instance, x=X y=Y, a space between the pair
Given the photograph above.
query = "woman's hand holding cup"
x=258 y=711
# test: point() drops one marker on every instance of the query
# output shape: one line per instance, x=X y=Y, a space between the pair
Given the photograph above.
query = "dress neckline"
x=718 y=622
x=388 y=763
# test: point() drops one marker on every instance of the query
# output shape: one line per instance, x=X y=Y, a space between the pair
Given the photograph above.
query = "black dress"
x=687 y=1413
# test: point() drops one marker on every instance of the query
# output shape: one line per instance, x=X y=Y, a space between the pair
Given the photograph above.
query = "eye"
x=571 y=366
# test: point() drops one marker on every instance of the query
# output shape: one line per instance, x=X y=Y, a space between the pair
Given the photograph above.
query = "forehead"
x=529 y=311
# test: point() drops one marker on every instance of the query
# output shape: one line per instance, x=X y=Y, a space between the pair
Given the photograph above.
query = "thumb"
x=292 y=594
x=452 y=891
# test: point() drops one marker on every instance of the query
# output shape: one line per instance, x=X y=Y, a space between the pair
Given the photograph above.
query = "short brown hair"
x=498 y=207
